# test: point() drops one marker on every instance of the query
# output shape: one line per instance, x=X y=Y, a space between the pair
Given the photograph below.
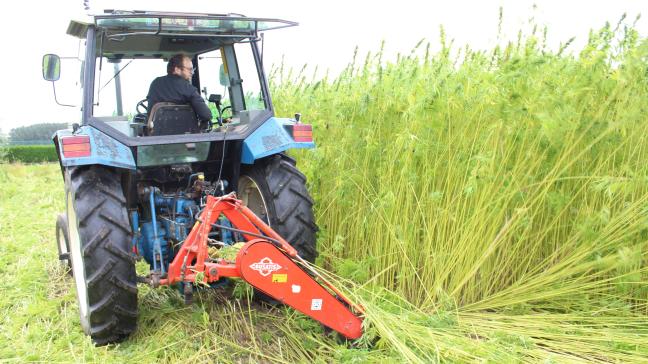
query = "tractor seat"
x=168 y=118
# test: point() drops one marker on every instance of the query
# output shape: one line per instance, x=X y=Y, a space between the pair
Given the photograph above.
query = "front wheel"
x=99 y=244
x=275 y=190
x=63 y=242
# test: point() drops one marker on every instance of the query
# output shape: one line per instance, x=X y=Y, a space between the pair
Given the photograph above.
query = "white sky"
x=328 y=33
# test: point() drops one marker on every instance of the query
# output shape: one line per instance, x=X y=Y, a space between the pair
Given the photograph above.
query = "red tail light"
x=302 y=133
x=76 y=146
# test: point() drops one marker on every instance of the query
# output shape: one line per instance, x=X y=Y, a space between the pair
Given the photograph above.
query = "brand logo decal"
x=265 y=266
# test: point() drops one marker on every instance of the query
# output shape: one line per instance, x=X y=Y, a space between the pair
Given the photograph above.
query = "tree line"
x=34 y=133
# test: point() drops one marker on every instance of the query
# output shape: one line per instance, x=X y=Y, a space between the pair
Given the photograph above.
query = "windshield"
x=118 y=95
x=229 y=71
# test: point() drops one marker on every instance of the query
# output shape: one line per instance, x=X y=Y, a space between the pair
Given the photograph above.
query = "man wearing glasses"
x=176 y=88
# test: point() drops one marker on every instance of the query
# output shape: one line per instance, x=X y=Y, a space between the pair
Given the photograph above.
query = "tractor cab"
x=126 y=50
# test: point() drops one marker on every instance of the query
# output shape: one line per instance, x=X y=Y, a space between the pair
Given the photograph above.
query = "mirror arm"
x=56 y=99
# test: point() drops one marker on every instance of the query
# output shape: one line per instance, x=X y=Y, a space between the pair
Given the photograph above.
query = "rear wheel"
x=275 y=190
x=102 y=264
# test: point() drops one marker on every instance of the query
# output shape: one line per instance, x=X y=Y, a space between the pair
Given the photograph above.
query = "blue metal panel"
x=270 y=138
x=104 y=150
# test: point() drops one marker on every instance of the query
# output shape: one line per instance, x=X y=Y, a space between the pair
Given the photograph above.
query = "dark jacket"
x=175 y=89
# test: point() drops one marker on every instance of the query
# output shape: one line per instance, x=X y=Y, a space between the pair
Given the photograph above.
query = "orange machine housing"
x=268 y=263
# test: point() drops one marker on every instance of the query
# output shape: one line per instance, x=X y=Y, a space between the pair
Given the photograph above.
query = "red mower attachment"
x=268 y=263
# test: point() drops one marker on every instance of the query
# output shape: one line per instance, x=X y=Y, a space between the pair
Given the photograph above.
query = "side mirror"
x=223 y=77
x=51 y=67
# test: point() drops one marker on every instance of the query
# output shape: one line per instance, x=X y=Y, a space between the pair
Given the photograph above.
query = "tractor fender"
x=104 y=150
x=270 y=138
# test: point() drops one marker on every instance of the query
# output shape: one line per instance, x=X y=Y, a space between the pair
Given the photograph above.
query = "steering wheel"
x=141 y=116
x=222 y=111
x=142 y=105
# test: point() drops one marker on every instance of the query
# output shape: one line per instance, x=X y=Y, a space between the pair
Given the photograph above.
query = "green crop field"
x=484 y=206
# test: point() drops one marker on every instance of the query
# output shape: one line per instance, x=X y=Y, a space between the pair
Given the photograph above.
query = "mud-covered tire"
x=289 y=205
x=62 y=242
x=100 y=252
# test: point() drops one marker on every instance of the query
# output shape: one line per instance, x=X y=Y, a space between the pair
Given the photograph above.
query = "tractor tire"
x=100 y=251
x=275 y=190
x=63 y=242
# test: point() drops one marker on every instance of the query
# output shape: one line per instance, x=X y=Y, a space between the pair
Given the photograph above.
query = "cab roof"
x=143 y=34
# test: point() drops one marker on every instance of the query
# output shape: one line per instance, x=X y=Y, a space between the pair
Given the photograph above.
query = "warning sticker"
x=316 y=304
x=279 y=278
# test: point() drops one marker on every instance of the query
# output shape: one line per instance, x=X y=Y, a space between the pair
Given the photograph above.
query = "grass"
x=483 y=206
x=28 y=153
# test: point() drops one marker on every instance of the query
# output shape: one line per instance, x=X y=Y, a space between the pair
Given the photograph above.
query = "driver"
x=176 y=87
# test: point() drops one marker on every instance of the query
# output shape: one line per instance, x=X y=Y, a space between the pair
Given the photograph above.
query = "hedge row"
x=28 y=153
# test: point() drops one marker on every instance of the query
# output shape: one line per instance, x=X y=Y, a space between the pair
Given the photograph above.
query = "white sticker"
x=296 y=288
x=316 y=304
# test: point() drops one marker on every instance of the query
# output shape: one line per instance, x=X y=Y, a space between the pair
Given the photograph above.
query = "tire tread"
x=105 y=235
x=292 y=205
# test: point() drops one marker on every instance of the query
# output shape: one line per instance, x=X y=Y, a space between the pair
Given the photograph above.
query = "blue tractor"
x=136 y=179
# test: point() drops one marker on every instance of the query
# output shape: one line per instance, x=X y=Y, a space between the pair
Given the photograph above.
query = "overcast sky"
x=328 y=33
